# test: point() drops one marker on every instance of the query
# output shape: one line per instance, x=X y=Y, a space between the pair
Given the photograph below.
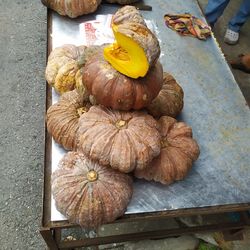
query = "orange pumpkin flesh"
x=136 y=48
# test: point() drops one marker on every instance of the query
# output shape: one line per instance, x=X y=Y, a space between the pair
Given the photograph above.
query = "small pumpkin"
x=64 y=67
x=113 y=89
x=179 y=151
x=89 y=194
x=127 y=14
x=72 y=8
x=169 y=101
x=63 y=116
x=136 y=48
x=123 y=140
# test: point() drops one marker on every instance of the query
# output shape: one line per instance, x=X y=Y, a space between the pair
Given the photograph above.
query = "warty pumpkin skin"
x=115 y=90
x=136 y=48
x=63 y=116
x=89 y=194
x=169 y=101
x=64 y=67
x=127 y=14
x=123 y=140
x=72 y=8
x=179 y=151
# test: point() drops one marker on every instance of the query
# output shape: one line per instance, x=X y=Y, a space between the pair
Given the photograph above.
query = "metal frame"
x=51 y=231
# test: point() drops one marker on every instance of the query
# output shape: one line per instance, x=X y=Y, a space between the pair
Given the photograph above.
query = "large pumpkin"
x=123 y=140
x=64 y=67
x=89 y=194
x=169 y=101
x=136 y=48
x=72 y=8
x=63 y=117
x=113 y=89
x=179 y=151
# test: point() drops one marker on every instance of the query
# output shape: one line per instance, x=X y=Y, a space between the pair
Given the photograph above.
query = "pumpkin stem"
x=120 y=124
x=82 y=110
x=81 y=61
x=92 y=175
x=164 y=143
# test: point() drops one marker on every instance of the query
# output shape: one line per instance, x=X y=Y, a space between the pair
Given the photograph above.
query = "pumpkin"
x=136 y=48
x=169 y=101
x=122 y=2
x=64 y=67
x=179 y=151
x=63 y=116
x=89 y=194
x=113 y=89
x=72 y=8
x=123 y=140
x=127 y=14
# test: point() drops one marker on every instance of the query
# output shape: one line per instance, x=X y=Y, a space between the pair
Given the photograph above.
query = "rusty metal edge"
x=149 y=235
x=47 y=145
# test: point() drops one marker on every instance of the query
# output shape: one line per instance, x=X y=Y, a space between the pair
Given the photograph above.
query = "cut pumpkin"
x=136 y=48
x=127 y=57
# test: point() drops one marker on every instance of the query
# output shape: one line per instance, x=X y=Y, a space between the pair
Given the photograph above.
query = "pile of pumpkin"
x=115 y=116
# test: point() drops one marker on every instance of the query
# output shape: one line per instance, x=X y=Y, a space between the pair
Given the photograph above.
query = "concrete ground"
x=22 y=109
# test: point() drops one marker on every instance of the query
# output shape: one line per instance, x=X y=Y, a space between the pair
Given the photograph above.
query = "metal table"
x=213 y=105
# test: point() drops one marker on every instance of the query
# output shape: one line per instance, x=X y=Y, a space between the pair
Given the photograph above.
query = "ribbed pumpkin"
x=127 y=14
x=179 y=151
x=169 y=101
x=122 y=2
x=136 y=48
x=72 y=8
x=123 y=140
x=115 y=90
x=89 y=194
x=63 y=116
x=64 y=67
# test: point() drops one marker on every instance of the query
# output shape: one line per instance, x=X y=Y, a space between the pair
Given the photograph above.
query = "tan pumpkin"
x=136 y=48
x=89 y=194
x=127 y=14
x=64 y=67
x=63 y=116
x=72 y=8
x=123 y=140
x=169 y=101
x=122 y=2
x=179 y=151
x=113 y=89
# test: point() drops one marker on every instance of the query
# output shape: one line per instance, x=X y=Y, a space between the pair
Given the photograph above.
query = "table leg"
x=48 y=238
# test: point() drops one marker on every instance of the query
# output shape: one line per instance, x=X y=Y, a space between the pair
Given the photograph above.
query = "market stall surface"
x=213 y=106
